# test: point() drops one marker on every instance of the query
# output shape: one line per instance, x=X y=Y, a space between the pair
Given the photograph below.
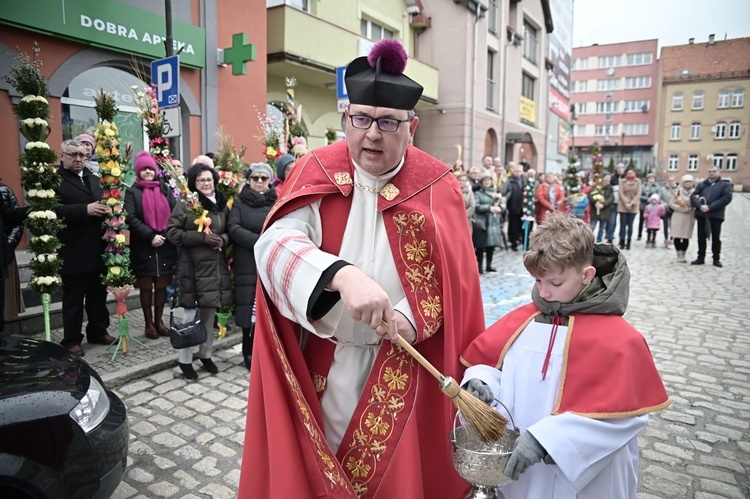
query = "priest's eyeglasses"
x=384 y=124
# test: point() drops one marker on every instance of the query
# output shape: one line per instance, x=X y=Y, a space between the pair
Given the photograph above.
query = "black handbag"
x=480 y=223
x=188 y=334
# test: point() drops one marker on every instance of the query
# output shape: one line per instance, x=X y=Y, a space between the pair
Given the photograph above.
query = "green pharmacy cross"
x=239 y=53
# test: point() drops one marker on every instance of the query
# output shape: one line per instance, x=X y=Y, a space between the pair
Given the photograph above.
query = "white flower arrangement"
x=45 y=238
x=34 y=122
x=41 y=145
x=32 y=98
x=41 y=193
x=47 y=257
x=48 y=214
x=45 y=280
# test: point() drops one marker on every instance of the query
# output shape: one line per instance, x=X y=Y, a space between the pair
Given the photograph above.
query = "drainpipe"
x=479 y=14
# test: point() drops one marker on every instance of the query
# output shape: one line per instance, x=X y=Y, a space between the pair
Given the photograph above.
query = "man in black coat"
x=710 y=199
x=11 y=218
x=512 y=190
x=82 y=250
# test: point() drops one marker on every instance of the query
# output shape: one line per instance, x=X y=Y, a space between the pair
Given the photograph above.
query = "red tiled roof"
x=724 y=58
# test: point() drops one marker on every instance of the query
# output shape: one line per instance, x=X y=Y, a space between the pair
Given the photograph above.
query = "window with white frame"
x=675 y=131
x=580 y=86
x=638 y=82
x=602 y=130
x=692 y=163
x=492 y=17
x=637 y=106
x=734 y=130
x=695 y=131
x=677 y=101
x=718 y=161
x=610 y=84
x=373 y=31
x=639 y=59
x=738 y=98
x=607 y=107
x=723 y=99
x=581 y=63
x=731 y=164
x=609 y=61
x=491 y=81
x=530 y=45
x=720 y=130
x=527 y=86
x=698 y=99
x=299 y=4
x=674 y=163
x=635 y=128
x=582 y=108
x=581 y=131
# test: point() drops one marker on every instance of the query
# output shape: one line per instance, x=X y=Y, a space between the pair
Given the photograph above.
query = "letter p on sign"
x=165 y=74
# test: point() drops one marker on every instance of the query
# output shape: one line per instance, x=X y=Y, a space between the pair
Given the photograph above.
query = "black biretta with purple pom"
x=378 y=79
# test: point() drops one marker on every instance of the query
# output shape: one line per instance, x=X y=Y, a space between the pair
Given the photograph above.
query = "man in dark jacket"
x=512 y=190
x=11 y=218
x=710 y=199
x=81 y=252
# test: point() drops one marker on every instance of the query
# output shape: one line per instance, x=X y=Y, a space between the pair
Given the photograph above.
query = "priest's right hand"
x=365 y=300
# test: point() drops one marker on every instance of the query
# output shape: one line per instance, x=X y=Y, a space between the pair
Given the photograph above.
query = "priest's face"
x=373 y=149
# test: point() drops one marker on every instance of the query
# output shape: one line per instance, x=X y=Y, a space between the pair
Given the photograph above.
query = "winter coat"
x=683 y=218
x=82 y=243
x=543 y=204
x=718 y=195
x=630 y=191
x=11 y=226
x=203 y=271
x=245 y=223
x=470 y=203
x=653 y=213
x=608 y=194
x=513 y=191
x=146 y=260
x=646 y=191
x=490 y=237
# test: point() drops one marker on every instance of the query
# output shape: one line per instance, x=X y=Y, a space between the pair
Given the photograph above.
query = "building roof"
x=720 y=59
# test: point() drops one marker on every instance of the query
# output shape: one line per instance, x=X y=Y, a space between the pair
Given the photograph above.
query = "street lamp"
x=513 y=39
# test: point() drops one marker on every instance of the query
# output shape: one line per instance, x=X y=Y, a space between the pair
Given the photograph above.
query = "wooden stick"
x=490 y=424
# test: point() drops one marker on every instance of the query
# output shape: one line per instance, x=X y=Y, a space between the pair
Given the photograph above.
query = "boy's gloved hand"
x=480 y=390
x=526 y=451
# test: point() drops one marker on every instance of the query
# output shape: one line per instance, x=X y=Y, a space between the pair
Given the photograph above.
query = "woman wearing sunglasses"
x=203 y=271
x=245 y=223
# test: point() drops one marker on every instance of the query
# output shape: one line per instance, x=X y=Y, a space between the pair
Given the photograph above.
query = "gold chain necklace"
x=367 y=188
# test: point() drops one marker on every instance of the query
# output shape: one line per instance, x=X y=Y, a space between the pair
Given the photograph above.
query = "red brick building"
x=614 y=90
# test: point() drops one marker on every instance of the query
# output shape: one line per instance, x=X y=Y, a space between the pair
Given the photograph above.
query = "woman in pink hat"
x=90 y=144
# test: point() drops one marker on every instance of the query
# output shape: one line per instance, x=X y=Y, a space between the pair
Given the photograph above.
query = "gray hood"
x=607 y=294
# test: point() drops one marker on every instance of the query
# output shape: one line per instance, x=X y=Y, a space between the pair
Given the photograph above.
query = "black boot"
x=622 y=244
x=698 y=261
x=489 y=252
x=209 y=366
x=188 y=371
x=627 y=244
x=247 y=345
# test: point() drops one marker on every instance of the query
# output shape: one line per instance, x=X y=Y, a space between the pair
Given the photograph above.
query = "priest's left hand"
x=526 y=451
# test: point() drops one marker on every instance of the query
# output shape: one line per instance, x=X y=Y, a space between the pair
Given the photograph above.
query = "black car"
x=62 y=433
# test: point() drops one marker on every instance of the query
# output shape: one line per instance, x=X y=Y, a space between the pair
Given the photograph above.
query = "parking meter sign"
x=165 y=74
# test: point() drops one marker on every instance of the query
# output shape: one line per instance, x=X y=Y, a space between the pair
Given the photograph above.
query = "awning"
x=518 y=137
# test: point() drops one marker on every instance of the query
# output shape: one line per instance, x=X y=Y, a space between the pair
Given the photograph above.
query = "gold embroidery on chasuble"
x=319 y=382
x=316 y=438
x=343 y=178
x=416 y=253
x=379 y=428
x=389 y=192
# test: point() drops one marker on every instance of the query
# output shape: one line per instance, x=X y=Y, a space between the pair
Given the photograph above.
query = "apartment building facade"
x=703 y=115
x=457 y=51
x=614 y=94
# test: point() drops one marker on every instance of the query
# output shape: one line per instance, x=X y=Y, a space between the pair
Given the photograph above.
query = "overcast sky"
x=671 y=21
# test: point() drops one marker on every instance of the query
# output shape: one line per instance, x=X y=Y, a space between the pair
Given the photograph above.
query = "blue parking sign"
x=165 y=74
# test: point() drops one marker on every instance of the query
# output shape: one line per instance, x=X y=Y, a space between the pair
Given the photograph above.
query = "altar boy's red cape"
x=607 y=370
x=398 y=442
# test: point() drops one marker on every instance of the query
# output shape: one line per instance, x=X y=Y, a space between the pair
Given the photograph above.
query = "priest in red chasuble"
x=369 y=230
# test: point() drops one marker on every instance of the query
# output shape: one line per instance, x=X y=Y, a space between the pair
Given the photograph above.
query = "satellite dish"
x=611 y=71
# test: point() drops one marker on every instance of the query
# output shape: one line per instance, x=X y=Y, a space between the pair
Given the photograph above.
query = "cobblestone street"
x=187 y=437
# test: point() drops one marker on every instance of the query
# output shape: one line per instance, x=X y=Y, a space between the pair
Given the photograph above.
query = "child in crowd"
x=578 y=380
x=653 y=214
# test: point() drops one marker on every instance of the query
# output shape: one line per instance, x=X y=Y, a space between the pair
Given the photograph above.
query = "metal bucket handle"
x=515 y=428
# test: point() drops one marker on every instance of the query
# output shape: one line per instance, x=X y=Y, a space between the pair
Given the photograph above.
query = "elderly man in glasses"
x=369 y=240
x=81 y=252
